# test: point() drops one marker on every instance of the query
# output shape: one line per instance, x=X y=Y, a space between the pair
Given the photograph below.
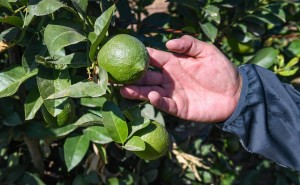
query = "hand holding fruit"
x=197 y=82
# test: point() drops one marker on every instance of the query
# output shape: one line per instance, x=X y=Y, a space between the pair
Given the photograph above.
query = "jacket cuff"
x=251 y=100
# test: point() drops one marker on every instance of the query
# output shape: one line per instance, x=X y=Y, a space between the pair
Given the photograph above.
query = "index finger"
x=159 y=58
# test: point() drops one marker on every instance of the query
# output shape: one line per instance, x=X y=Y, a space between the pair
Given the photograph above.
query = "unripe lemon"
x=125 y=58
x=156 y=139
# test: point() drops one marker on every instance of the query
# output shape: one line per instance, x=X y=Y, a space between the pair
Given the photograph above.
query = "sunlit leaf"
x=32 y=104
x=12 y=20
x=265 y=57
x=97 y=134
x=82 y=4
x=209 y=30
x=28 y=19
x=43 y=7
x=135 y=144
x=294 y=47
x=289 y=72
x=292 y=62
x=49 y=82
x=212 y=12
x=12 y=78
x=74 y=60
x=88 y=119
x=74 y=150
x=100 y=28
x=10 y=35
x=103 y=78
x=92 y=102
x=60 y=34
x=138 y=124
x=79 y=90
x=6 y=4
x=148 y=111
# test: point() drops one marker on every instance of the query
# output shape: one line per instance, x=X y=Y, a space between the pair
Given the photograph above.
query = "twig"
x=35 y=154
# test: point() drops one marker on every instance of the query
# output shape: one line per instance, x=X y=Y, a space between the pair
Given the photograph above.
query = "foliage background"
x=264 y=32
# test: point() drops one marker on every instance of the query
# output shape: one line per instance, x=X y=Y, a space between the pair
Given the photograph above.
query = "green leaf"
x=114 y=181
x=32 y=104
x=114 y=122
x=34 y=47
x=10 y=34
x=190 y=4
x=88 y=119
x=260 y=17
x=92 y=102
x=12 y=78
x=43 y=7
x=151 y=175
x=265 y=57
x=60 y=34
x=289 y=71
x=292 y=62
x=11 y=174
x=103 y=78
x=138 y=124
x=209 y=30
x=97 y=134
x=28 y=19
x=5 y=138
x=148 y=111
x=74 y=150
x=30 y=178
x=100 y=28
x=74 y=60
x=6 y=4
x=135 y=144
x=213 y=13
x=49 y=82
x=83 y=4
x=79 y=90
x=37 y=130
x=290 y=68
x=62 y=131
x=276 y=10
x=12 y=20
x=13 y=119
x=294 y=48
x=102 y=152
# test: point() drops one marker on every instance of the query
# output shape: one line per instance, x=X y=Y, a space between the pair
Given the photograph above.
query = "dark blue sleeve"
x=267 y=118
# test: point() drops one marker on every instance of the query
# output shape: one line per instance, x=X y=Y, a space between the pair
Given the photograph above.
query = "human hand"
x=197 y=82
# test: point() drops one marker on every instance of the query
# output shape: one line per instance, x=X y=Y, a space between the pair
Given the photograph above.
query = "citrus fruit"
x=156 y=139
x=241 y=48
x=125 y=59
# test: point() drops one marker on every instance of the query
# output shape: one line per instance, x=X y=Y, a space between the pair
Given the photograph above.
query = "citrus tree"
x=63 y=121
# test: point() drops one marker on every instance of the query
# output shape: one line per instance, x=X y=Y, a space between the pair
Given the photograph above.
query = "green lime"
x=156 y=139
x=241 y=48
x=125 y=59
